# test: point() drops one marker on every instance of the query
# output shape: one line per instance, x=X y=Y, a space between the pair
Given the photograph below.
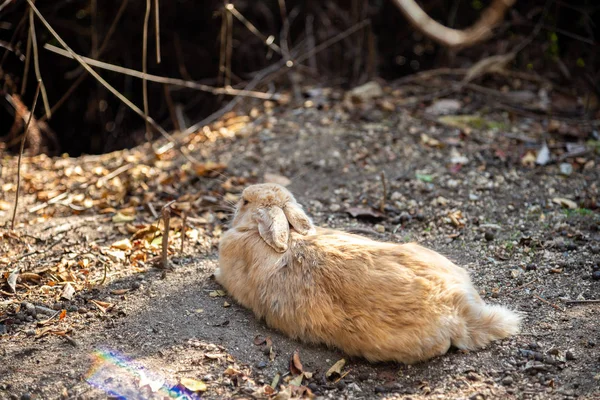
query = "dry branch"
x=170 y=81
x=480 y=31
x=36 y=63
x=145 y=66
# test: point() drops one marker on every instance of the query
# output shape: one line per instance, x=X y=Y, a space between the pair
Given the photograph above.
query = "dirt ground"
x=529 y=234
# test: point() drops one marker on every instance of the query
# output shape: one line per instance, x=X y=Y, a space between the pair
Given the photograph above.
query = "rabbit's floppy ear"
x=273 y=227
x=297 y=218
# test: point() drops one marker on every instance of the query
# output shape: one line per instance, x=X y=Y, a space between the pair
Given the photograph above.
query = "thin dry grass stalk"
x=35 y=99
x=36 y=64
x=157 y=29
x=145 y=66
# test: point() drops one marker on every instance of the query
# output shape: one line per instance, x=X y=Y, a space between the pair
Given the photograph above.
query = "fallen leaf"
x=336 y=369
x=226 y=304
x=284 y=394
x=193 y=385
x=116 y=255
x=295 y=364
x=120 y=292
x=120 y=218
x=217 y=293
x=68 y=292
x=102 y=305
x=297 y=381
x=62 y=315
x=424 y=177
x=124 y=244
x=278 y=179
x=363 y=212
x=209 y=168
x=444 y=107
x=30 y=276
x=561 y=201
x=543 y=155
x=275 y=380
x=258 y=340
x=12 y=279
x=230 y=371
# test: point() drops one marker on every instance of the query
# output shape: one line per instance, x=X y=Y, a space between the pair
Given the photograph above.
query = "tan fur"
x=381 y=301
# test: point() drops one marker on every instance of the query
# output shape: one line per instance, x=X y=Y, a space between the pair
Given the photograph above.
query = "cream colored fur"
x=381 y=301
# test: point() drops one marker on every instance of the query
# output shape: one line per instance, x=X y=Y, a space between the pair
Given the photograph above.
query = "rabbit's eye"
x=245 y=202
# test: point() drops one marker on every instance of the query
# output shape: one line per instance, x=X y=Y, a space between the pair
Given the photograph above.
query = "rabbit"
x=376 y=300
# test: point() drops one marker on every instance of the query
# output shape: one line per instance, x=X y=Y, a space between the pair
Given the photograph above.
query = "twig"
x=310 y=40
x=6 y=2
x=114 y=91
x=576 y=302
x=157 y=29
x=267 y=40
x=161 y=79
x=166 y=215
x=35 y=99
x=36 y=63
x=184 y=218
x=384 y=193
x=27 y=62
x=228 y=48
x=47 y=203
x=145 y=66
x=115 y=173
x=547 y=302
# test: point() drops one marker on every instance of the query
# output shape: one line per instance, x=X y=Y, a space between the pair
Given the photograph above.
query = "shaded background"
x=91 y=120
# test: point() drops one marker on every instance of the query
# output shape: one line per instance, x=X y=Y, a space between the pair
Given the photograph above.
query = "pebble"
x=29 y=308
x=136 y=285
x=420 y=216
x=596 y=275
x=531 y=267
x=472 y=376
x=489 y=236
x=334 y=208
x=508 y=380
x=341 y=385
x=354 y=387
x=380 y=389
x=405 y=217
x=2 y=329
x=569 y=355
x=313 y=387
x=566 y=169
x=208 y=378
x=380 y=228
x=261 y=364
x=473 y=197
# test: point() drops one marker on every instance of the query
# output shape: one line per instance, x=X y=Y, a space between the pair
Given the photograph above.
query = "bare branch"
x=449 y=37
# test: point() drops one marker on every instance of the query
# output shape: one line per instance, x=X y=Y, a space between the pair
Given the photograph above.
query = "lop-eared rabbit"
x=381 y=301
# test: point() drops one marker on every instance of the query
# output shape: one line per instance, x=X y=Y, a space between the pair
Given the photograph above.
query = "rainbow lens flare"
x=123 y=378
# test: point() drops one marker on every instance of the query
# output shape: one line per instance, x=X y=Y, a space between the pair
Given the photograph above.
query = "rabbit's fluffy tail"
x=484 y=323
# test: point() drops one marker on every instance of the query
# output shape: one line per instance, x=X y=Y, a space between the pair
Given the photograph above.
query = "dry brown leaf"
x=12 y=279
x=336 y=369
x=230 y=371
x=363 y=212
x=193 y=385
x=102 y=305
x=295 y=364
x=67 y=292
x=124 y=244
x=30 y=276
x=120 y=292
x=561 y=201
x=120 y=218
x=209 y=168
x=62 y=315
x=217 y=293
x=259 y=340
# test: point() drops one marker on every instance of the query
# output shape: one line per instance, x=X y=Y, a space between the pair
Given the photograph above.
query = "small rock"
x=452 y=183
x=334 y=208
x=341 y=385
x=472 y=376
x=473 y=197
x=380 y=228
x=405 y=217
x=571 y=246
x=566 y=169
x=380 y=389
x=514 y=273
x=208 y=378
x=30 y=332
x=595 y=249
x=25 y=396
x=366 y=92
x=553 y=351
x=508 y=380
x=396 y=196
x=261 y=364
x=489 y=236
x=420 y=216
x=29 y=308
x=2 y=329
x=596 y=275
x=72 y=308
x=354 y=387
x=531 y=267
x=569 y=355
x=444 y=107
x=136 y=285
x=313 y=387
